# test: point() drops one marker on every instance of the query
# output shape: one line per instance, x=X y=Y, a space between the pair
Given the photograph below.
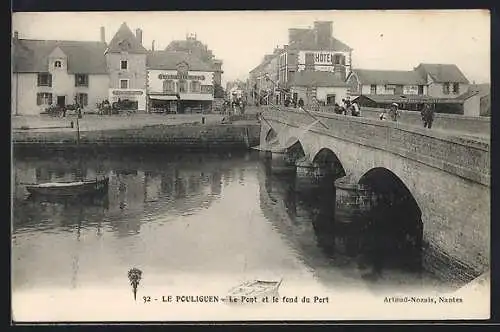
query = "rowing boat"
x=72 y=188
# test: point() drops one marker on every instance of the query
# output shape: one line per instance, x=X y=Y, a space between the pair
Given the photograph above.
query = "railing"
x=453 y=122
x=468 y=159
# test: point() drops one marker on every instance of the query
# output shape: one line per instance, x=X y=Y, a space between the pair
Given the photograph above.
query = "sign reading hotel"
x=322 y=57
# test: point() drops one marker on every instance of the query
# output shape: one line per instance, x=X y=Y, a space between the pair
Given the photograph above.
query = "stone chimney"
x=138 y=35
x=323 y=33
x=153 y=46
x=103 y=35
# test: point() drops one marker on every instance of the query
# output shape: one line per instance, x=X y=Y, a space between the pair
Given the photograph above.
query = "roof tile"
x=84 y=57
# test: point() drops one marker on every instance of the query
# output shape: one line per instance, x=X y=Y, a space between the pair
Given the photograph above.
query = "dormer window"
x=57 y=64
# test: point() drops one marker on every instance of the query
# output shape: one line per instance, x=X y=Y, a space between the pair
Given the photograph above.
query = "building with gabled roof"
x=307 y=49
x=49 y=72
x=443 y=85
x=179 y=82
x=126 y=63
x=325 y=87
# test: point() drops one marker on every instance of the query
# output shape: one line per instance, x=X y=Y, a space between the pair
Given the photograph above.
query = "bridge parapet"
x=467 y=158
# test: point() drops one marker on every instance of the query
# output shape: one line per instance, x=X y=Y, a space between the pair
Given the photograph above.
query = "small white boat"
x=257 y=289
x=73 y=188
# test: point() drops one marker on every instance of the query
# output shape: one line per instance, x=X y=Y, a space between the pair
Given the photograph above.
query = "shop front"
x=130 y=99
x=163 y=103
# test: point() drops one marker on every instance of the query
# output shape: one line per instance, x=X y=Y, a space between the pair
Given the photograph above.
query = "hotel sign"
x=323 y=58
x=181 y=76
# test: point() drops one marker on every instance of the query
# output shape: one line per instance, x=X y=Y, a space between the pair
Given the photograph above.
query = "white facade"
x=25 y=90
x=339 y=92
x=198 y=84
x=382 y=89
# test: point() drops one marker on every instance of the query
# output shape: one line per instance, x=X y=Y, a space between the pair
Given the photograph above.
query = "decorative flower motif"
x=134 y=275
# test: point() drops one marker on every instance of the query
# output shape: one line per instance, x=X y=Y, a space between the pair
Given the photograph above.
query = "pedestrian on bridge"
x=427 y=116
x=394 y=112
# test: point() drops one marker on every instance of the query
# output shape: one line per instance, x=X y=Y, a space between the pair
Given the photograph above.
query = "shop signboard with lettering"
x=138 y=95
x=410 y=89
x=156 y=79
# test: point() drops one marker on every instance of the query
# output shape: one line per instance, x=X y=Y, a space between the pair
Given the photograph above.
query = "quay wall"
x=191 y=136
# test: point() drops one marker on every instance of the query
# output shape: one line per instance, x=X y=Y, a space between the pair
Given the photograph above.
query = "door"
x=61 y=100
x=330 y=99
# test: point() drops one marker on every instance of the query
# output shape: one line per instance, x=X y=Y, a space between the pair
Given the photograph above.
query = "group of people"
x=348 y=107
x=427 y=114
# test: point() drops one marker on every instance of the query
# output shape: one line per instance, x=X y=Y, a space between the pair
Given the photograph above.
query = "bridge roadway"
x=446 y=173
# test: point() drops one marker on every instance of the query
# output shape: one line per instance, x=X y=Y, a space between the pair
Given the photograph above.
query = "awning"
x=163 y=97
x=196 y=96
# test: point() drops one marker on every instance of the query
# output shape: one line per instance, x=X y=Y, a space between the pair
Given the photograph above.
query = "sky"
x=381 y=39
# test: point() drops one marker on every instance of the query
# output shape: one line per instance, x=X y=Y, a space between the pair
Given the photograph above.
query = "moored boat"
x=73 y=188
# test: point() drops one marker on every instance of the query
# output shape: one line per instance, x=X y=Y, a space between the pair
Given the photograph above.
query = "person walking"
x=394 y=112
x=427 y=116
x=301 y=103
x=383 y=116
x=355 y=110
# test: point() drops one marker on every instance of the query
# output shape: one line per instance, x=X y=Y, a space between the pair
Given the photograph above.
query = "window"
x=82 y=99
x=182 y=86
x=168 y=86
x=420 y=90
x=309 y=61
x=456 y=88
x=195 y=86
x=124 y=64
x=44 y=79
x=123 y=84
x=57 y=64
x=373 y=89
x=81 y=80
x=446 y=88
x=43 y=98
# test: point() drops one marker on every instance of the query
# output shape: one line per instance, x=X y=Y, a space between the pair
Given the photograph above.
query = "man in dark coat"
x=427 y=116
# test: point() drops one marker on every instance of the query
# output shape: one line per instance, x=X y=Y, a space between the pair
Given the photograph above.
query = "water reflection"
x=306 y=219
x=168 y=213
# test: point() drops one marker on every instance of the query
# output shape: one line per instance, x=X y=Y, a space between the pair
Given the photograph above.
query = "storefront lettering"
x=181 y=77
x=127 y=92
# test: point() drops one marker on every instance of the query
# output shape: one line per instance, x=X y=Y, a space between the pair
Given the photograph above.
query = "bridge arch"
x=395 y=228
x=294 y=150
x=327 y=161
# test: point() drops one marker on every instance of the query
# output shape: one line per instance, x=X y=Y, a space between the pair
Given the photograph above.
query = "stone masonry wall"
x=449 y=179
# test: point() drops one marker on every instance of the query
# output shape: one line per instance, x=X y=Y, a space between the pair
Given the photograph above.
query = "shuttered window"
x=44 y=79
x=44 y=98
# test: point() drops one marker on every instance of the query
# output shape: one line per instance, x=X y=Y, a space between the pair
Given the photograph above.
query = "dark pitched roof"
x=168 y=60
x=85 y=57
x=306 y=41
x=441 y=73
x=369 y=76
x=317 y=79
x=124 y=34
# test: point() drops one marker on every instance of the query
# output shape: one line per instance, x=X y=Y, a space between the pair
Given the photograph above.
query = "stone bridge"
x=446 y=179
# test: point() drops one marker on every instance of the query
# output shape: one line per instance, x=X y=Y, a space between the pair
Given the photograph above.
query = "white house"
x=179 y=82
x=48 y=72
x=328 y=88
